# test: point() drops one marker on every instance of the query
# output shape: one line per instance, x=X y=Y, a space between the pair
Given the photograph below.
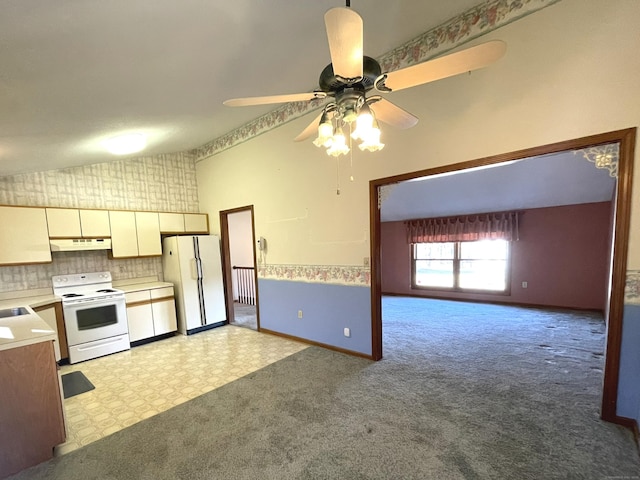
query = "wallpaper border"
x=467 y=26
x=358 y=275
x=632 y=288
x=329 y=274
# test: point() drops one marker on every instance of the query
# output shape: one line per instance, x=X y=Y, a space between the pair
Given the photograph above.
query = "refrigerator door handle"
x=194 y=269
x=200 y=269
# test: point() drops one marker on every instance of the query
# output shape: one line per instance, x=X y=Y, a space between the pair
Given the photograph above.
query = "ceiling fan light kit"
x=351 y=76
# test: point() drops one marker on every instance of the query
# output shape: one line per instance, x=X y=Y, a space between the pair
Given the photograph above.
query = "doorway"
x=614 y=311
x=239 y=267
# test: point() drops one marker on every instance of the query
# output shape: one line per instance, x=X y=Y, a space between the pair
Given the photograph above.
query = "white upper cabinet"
x=64 y=223
x=95 y=223
x=24 y=236
x=148 y=231
x=74 y=223
x=196 y=223
x=171 y=222
x=124 y=238
x=135 y=234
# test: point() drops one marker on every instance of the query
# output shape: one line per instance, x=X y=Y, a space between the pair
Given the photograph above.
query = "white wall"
x=571 y=70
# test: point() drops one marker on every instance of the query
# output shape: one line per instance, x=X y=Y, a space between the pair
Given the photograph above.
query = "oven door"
x=98 y=319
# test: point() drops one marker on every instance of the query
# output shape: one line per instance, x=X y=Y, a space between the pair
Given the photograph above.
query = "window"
x=481 y=265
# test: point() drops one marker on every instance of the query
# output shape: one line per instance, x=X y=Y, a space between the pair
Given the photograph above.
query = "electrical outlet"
x=299 y=313
x=367 y=262
x=525 y=284
x=347 y=332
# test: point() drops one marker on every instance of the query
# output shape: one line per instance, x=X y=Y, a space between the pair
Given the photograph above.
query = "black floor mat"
x=75 y=383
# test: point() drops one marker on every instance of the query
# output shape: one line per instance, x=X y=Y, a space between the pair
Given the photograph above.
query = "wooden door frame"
x=226 y=260
x=626 y=139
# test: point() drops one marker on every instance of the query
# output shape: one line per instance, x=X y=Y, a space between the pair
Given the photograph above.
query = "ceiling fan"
x=351 y=76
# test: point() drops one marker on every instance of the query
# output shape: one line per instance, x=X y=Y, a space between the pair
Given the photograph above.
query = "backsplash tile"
x=31 y=277
x=156 y=183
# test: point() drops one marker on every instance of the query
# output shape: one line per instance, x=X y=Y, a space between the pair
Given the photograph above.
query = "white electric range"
x=95 y=315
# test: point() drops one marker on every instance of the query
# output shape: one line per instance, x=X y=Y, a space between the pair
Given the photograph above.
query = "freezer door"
x=179 y=264
x=210 y=267
x=193 y=317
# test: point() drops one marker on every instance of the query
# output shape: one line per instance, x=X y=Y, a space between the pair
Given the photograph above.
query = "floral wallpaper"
x=471 y=24
x=334 y=274
x=632 y=288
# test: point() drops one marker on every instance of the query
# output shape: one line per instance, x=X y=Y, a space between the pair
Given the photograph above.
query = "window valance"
x=464 y=228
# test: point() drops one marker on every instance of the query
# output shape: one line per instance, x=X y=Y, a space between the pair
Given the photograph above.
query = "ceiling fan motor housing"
x=334 y=84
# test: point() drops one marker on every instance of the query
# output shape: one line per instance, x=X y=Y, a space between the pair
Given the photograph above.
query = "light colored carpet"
x=245 y=316
x=465 y=391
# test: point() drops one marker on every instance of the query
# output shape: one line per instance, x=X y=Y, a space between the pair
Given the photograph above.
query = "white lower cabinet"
x=151 y=313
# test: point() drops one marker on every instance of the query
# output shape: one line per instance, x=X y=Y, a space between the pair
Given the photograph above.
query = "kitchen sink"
x=13 y=312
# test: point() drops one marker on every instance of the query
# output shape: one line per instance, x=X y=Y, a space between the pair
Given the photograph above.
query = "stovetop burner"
x=84 y=287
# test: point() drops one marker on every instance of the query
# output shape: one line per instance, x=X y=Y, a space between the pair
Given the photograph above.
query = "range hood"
x=75 y=244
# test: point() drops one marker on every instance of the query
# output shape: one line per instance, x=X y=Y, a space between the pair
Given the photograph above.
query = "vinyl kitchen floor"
x=152 y=378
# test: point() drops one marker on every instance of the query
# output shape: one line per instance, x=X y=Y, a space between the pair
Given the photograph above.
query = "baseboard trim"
x=317 y=344
x=630 y=423
x=494 y=302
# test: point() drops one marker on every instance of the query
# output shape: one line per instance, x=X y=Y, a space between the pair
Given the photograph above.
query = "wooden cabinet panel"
x=63 y=223
x=148 y=230
x=95 y=223
x=31 y=414
x=53 y=315
x=124 y=238
x=24 y=236
x=196 y=223
x=171 y=222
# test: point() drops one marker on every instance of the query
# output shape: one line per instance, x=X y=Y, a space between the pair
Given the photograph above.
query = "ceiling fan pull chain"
x=351 y=152
x=338 y=175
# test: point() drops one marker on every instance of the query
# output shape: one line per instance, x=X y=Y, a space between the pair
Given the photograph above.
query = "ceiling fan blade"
x=310 y=131
x=345 y=35
x=447 y=66
x=296 y=97
x=393 y=115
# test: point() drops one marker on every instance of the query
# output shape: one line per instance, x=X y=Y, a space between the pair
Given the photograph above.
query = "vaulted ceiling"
x=76 y=72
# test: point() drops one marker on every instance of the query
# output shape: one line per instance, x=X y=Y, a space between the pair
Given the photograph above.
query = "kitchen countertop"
x=27 y=329
x=136 y=287
x=23 y=330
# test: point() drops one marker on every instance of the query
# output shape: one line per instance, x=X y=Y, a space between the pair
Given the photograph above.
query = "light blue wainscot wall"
x=327 y=309
x=629 y=385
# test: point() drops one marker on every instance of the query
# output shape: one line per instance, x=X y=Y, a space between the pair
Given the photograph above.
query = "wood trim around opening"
x=226 y=260
x=626 y=139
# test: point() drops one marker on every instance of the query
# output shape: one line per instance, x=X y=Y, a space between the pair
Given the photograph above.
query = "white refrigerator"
x=193 y=264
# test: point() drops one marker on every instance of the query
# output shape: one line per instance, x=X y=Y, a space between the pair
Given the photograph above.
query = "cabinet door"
x=95 y=223
x=164 y=310
x=31 y=416
x=148 y=229
x=196 y=223
x=48 y=314
x=24 y=237
x=164 y=316
x=124 y=239
x=171 y=222
x=139 y=315
x=63 y=223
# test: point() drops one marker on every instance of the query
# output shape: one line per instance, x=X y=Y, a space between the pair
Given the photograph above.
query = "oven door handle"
x=94 y=303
